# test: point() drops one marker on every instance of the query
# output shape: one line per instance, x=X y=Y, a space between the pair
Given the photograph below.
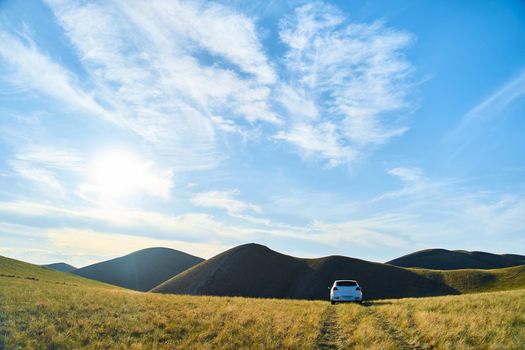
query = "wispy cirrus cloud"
x=42 y=178
x=51 y=157
x=216 y=28
x=27 y=67
x=448 y=209
x=490 y=111
x=492 y=106
x=84 y=244
x=406 y=174
x=176 y=74
x=224 y=200
x=123 y=230
x=147 y=72
x=148 y=62
x=43 y=165
x=180 y=79
x=319 y=141
x=357 y=74
x=423 y=213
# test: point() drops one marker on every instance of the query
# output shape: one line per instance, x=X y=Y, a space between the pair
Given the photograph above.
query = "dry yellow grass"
x=360 y=330
x=474 y=321
x=43 y=309
x=39 y=315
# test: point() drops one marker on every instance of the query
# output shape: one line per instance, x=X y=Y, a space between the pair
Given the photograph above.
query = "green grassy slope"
x=442 y=259
x=470 y=281
x=140 y=270
x=14 y=271
x=56 y=310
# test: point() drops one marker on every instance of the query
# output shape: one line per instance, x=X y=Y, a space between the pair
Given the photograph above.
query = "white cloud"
x=42 y=166
x=176 y=73
x=191 y=232
x=298 y=104
x=407 y=174
x=79 y=247
x=89 y=243
x=213 y=27
x=223 y=200
x=193 y=226
x=145 y=60
x=421 y=215
x=44 y=179
x=226 y=125
x=27 y=67
x=51 y=157
x=146 y=72
x=356 y=74
x=449 y=213
x=321 y=140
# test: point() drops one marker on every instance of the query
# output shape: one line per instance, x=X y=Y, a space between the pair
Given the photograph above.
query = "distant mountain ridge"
x=61 y=266
x=253 y=270
x=442 y=259
x=140 y=270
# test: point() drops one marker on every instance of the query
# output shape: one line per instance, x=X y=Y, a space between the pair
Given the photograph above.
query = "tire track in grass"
x=328 y=338
x=404 y=342
x=3 y=324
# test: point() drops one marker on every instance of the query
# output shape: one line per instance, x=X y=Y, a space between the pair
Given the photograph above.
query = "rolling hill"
x=472 y=281
x=62 y=267
x=140 y=270
x=254 y=270
x=442 y=259
x=18 y=271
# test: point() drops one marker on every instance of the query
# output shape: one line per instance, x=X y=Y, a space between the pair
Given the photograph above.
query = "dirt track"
x=330 y=331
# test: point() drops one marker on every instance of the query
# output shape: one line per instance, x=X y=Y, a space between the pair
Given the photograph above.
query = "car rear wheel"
x=332 y=302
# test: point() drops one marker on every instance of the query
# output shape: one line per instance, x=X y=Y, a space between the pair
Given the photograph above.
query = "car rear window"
x=346 y=284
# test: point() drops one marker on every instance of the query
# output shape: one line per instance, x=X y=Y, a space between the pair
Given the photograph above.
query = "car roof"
x=345 y=281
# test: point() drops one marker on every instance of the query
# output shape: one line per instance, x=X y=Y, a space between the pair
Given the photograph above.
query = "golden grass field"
x=44 y=309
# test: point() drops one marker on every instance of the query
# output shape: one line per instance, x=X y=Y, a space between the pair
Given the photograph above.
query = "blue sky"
x=367 y=129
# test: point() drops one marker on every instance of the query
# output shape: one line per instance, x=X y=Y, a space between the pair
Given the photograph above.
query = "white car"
x=345 y=290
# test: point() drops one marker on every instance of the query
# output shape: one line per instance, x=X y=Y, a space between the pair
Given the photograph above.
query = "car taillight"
x=335 y=288
x=358 y=288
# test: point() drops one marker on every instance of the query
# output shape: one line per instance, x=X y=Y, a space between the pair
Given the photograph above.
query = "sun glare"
x=121 y=174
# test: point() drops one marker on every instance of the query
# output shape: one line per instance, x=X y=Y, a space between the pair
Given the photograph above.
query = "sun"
x=119 y=173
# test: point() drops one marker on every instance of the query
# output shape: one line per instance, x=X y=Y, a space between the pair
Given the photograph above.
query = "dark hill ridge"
x=254 y=270
x=61 y=266
x=140 y=270
x=442 y=259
